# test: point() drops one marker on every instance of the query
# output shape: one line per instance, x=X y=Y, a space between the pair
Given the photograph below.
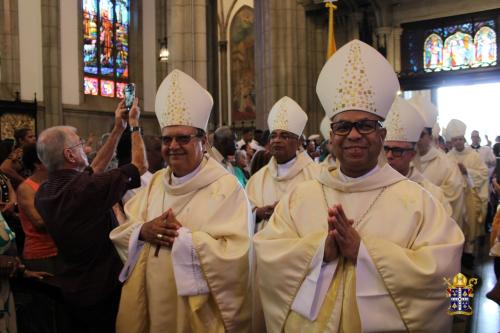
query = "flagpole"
x=331 y=32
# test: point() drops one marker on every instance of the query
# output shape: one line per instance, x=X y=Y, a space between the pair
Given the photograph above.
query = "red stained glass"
x=107 y=88
x=90 y=86
x=120 y=88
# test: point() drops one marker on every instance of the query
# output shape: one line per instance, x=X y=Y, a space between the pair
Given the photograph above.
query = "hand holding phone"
x=129 y=95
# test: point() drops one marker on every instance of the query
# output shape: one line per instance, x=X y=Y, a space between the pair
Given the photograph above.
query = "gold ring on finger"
x=159 y=236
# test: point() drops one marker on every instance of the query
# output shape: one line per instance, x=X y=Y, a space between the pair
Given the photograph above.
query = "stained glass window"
x=485 y=43
x=105 y=46
x=433 y=52
x=460 y=50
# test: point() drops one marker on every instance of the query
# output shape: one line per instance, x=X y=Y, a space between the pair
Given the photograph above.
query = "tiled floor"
x=486 y=318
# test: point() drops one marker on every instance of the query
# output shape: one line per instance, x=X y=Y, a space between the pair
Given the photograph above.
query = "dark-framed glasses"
x=180 y=139
x=283 y=136
x=366 y=126
x=81 y=143
x=396 y=151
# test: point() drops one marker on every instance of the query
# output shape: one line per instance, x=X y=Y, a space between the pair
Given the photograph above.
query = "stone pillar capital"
x=384 y=31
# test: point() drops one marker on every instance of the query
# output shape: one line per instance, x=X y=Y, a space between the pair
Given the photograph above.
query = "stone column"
x=187 y=37
x=355 y=20
x=9 y=50
x=384 y=42
x=223 y=82
x=396 y=33
x=51 y=46
x=281 y=55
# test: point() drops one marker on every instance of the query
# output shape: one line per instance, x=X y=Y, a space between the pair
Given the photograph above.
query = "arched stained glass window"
x=460 y=50
x=433 y=52
x=485 y=43
x=105 y=46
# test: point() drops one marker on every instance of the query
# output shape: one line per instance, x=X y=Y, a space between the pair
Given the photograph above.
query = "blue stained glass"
x=121 y=11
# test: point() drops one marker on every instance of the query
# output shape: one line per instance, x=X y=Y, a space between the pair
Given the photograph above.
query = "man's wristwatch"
x=135 y=129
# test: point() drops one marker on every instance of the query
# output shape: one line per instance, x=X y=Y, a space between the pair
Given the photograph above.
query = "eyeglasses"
x=180 y=139
x=343 y=128
x=396 y=151
x=81 y=143
x=284 y=136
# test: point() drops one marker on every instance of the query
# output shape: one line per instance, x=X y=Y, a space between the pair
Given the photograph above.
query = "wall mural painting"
x=243 y=65
x=9 y=122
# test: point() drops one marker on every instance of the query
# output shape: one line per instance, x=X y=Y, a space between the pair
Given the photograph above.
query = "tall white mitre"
x=357 y=77
x=287 y=115
x=404 y=122
x=426 y=108
x=180 y=100
x=324 y=128
x=455 y=128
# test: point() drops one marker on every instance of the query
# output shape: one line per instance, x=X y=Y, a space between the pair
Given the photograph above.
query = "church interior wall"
x=290 y=44
x=9 y=50
x=410 y=10
x=30 y=49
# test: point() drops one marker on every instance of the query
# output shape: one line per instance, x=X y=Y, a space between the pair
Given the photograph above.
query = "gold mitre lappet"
x=287 y=115
x=180 y=100
x=357 y=77
x=324 y=128
x=404 y=122
x=426 y=108
x=455 y=128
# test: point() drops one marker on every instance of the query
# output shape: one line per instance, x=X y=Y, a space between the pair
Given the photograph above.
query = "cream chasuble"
x=476 y=194
x=214 y=207
x=266 y=187
x=439 y=170
x=411 y=241
x=436 y=191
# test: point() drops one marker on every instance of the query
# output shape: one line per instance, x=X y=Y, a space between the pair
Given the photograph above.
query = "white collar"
x=285 y=167
x=181 y=180
x=350 y=179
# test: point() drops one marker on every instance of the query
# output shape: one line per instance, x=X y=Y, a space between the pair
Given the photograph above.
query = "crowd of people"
x=352 y=230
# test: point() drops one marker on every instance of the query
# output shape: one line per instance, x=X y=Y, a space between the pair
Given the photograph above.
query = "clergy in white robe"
x=287 y=167
x=475 y=175
x=485 y=152
x=362 y=248
x=404 y=125
x=433 y=163
x=186 y=240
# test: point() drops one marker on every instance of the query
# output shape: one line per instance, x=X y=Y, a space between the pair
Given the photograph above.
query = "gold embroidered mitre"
x=287 y=115
x=404 y=122
x=357 y=77
x=180 y=100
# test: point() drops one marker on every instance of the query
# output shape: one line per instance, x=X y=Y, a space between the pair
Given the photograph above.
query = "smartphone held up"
x=129 y=95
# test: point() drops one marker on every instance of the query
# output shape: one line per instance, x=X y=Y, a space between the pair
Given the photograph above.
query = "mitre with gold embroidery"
x=287 y=115
x=180 y=100
x=403 y=122
x=357 y=77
